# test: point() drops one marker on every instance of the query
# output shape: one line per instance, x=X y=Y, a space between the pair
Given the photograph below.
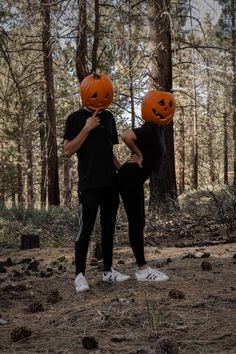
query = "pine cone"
x=20 y=333
x=9 y=262
x=33 y=265
x=2 y=269
x=35 y=307
x=176 y=294
x=12 y=287
x=89 y=343
x=54 y=296
x=206 y=266
x=166 y=346
x=20 y=287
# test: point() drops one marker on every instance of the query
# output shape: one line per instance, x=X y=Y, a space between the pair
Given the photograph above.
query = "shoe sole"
x=152 y=281
x=81 y=291
x=115 y=281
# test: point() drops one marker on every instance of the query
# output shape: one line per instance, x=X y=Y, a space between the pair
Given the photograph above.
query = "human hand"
x=93 y=121
x=136 y=159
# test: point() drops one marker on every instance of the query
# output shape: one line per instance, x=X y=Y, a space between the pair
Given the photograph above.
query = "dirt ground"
x=194 y=312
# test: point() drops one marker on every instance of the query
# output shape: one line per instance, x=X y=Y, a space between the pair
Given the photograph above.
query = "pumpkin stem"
x=162 y=89
x=96 y=76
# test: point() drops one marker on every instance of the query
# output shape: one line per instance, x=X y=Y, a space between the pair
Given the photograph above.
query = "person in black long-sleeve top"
x=146 y=145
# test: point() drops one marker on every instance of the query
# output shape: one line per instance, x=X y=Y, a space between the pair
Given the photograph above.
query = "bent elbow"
x=123 y=137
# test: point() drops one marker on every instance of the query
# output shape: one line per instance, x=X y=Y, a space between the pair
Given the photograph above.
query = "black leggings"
x=89 y=202
x=131 y=190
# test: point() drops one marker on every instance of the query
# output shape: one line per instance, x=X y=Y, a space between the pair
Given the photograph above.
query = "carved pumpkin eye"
x=162 y=102
x=170 y=104
x=95 y=95
x=107 y=95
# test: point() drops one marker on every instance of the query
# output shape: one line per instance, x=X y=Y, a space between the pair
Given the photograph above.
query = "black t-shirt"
x=149 y=141
x=95 y=157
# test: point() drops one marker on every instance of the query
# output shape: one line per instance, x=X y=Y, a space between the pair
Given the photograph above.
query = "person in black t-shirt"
x=91 y=133
x=146 y=145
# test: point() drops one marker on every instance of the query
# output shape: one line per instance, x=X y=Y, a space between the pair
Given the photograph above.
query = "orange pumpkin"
x=96 y=91
x=158 y=107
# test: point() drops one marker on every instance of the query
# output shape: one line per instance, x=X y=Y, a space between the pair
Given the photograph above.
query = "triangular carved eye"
x=107 y=95
x=170 y=104
x=162 y=102
x=95 y=95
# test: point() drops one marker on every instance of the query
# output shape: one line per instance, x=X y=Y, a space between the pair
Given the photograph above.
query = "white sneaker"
x=114 y=276
x=150 y=274
x=81 y=283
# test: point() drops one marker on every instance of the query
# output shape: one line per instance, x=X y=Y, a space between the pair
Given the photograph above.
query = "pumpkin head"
x=96 y=91
x=158 y=107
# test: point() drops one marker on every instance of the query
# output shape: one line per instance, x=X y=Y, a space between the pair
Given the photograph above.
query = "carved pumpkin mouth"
x=158 y=114
x=97 y=108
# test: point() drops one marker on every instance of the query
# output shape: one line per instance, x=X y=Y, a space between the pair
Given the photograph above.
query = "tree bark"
x=182 y=155
x=131 y=87
x=234 y=85
x=20 y=198
x=43 y=158
x=67 y=184
x=30 y=180
x=195 y=137
x=81 y=50
x=29 y=242
x=53 y=178
x=226 y=149
x=96 y=38
x=163 y=186
x=210 y=128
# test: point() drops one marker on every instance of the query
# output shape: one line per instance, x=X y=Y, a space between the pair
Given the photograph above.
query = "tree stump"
x=29 y=241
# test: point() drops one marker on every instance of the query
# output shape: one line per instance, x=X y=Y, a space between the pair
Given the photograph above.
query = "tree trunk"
x=226 y=149
x=210 y=128
x=67 y=185
x=2 y=177
x=131 y=88
x=163 y=187
x=2 y=197
x=234 y=86
x=182 y=155
x=81 y=50
x=20 y=198
x=96 y=37
x=53 y=178
x=195 y=141
x=29 y=242
x=195 y=131
x=43 y=179
x=30 y=184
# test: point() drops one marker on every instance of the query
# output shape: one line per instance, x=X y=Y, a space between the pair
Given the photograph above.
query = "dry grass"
x=126 y=318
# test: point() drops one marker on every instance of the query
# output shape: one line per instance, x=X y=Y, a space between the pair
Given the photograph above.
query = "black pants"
x=131 y=190
x=89 y=202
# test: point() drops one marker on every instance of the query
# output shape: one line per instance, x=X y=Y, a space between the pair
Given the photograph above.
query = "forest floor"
x=193 y=312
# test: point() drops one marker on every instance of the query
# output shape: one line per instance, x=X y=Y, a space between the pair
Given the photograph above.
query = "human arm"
x=71 y=146
x=130 y=139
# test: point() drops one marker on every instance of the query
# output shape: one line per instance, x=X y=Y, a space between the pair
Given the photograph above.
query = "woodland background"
x=48 y=47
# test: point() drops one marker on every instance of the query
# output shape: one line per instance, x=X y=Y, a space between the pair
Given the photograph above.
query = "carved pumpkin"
x=96 y=91
x=158 y=107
